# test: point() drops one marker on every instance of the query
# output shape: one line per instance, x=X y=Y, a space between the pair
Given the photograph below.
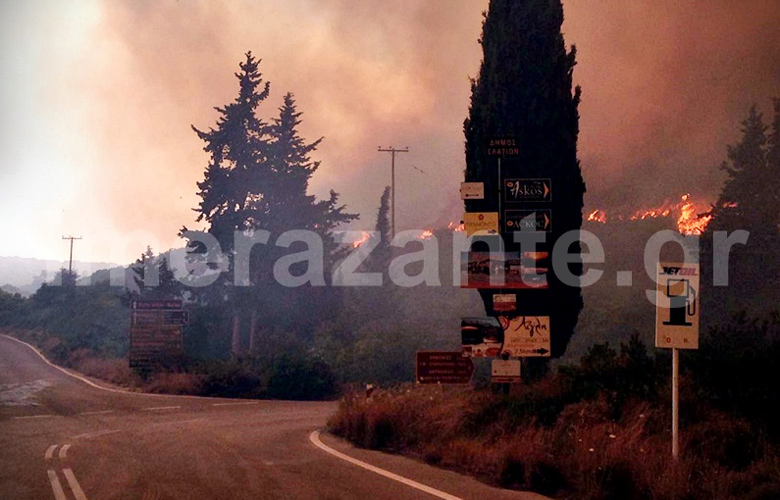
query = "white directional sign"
x=526 y=336
x=505 y=371
x=472 y=190
x=677 y=306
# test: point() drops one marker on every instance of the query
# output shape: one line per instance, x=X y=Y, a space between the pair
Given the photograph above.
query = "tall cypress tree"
x=383 y=228
x=524 y=90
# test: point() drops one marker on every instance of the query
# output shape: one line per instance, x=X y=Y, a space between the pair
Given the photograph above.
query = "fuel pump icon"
x=682 y=302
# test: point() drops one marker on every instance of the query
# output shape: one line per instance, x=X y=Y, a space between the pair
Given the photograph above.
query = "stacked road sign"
x=156 y=331
x=513 y=283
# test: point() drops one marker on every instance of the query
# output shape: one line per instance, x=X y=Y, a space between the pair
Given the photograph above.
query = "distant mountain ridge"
x=27 y=274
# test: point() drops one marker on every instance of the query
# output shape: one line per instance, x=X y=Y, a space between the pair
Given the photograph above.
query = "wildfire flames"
x=688 y=220
x=364 y=237
x=424 y=235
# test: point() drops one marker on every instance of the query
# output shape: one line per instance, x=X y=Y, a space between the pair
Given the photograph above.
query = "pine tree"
x=238 y=147
x=163 y=285
x=772 y=188
x=285 y=204
x=749 y=201
x=745 y=201
x=257 y=179
x=288 y=203
x=524 y=90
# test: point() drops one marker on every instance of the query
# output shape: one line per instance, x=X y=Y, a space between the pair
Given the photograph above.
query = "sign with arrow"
x=526 y=336
x=528 y=220
x=526 y=190
x=443 y=367
x=472 y=190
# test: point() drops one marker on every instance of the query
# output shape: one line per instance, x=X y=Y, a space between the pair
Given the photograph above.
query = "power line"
x=392 y=152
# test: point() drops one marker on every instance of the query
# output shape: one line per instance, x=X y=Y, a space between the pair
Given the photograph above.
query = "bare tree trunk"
x=252 y=327
x=235 y=341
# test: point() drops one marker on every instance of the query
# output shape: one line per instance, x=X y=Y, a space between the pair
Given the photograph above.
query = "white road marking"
x=314 y=437
x=96 y=434
x=74 y=485
x=176 y=422
x=56 y=486
x=161 y=408
x=237 y=404
x=33 y=416
x=64 y=452
x=106 y=412
x=50 y=452
x=63 y=370
x=96 y=386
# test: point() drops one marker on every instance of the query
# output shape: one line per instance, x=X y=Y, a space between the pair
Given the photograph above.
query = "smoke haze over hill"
x=100 y=97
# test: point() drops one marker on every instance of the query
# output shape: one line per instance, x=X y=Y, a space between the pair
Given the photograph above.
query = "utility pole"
x=70 y=261
x=392 y=152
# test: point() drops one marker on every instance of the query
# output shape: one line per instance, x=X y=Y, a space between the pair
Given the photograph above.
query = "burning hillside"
x=691 y=219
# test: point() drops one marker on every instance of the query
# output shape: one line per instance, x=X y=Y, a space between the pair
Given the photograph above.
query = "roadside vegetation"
x=599 y=429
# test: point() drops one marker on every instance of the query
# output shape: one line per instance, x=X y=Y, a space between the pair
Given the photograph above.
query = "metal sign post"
x=677 y=324
x=675 y=403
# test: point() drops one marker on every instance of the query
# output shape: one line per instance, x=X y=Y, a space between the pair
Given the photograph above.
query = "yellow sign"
x=480 y=223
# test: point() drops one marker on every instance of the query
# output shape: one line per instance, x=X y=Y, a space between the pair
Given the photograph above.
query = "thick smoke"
x=665 y=84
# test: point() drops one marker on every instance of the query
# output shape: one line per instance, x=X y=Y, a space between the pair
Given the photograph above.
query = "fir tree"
x=524 y=90
x=238 y=147
x=288 y=203
x=257 y=179
x=160 y=283
x=749 y=201
x=745 y=201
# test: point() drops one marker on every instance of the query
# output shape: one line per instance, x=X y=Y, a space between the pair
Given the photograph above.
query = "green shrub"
x=300 y=376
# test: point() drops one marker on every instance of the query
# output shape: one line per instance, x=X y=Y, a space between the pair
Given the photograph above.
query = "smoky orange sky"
x=98 y=98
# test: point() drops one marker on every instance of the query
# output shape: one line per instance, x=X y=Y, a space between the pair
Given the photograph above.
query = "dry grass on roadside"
x=115 y=371
x=174 y=383
x=581 y=454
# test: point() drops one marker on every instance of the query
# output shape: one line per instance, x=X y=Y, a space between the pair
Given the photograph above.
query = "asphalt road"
x=62 y=438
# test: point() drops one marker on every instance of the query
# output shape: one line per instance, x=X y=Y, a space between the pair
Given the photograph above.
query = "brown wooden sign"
x=442 y=367
x=156 y=331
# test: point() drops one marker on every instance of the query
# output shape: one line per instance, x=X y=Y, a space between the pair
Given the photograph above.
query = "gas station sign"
x=677 y=306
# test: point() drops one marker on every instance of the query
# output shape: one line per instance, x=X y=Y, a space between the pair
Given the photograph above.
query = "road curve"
x=68 y=439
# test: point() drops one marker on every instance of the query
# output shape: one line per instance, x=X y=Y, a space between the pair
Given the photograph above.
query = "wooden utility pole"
x=70 y=260
x=392 y=152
